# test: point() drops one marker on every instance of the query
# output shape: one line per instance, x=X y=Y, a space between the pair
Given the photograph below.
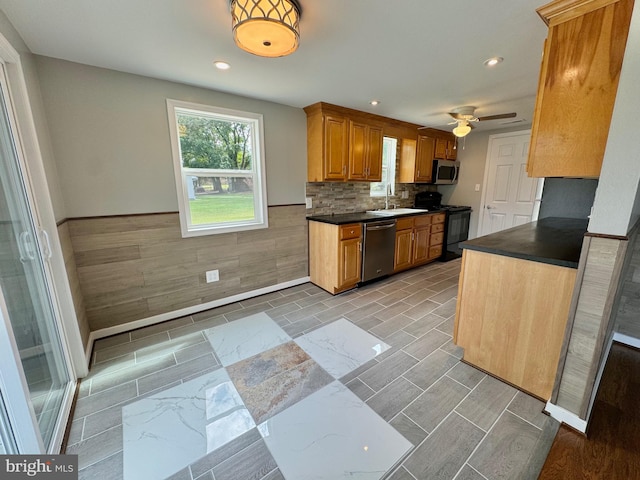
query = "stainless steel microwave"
x=445 y=172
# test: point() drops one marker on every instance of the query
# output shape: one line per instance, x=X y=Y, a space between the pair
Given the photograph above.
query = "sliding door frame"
x=17 y=402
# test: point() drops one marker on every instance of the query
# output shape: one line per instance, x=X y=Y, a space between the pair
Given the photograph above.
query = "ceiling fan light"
x=462 y=129
x=267 y=28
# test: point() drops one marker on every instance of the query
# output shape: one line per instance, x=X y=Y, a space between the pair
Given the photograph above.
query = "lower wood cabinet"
x=335 y=255
x=403 y=258
x=416 y=242
x=335 y=251
x=511 y=317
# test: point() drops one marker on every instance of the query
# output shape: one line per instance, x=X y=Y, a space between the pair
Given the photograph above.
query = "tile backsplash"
x=348 y=197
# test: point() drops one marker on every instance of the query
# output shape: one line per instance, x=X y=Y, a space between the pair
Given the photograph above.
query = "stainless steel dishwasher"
x=379 y=248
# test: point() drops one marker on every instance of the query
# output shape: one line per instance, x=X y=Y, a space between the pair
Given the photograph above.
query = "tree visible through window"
x=219 y=168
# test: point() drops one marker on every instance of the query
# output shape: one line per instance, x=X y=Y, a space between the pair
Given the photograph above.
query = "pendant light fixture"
x=268 y=28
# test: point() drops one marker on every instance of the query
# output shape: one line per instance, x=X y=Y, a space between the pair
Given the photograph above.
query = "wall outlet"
x=405 y=194
x=212 y=276
x=477 y=187
x=308 y=202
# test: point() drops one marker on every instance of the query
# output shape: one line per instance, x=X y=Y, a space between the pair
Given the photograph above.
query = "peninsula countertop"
x=553 y=240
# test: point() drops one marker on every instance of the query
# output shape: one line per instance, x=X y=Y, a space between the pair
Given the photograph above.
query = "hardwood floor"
x=612 y=448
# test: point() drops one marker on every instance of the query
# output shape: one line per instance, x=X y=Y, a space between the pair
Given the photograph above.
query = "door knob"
x=489 y=207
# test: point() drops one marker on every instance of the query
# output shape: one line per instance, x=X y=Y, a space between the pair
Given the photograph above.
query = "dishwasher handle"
x=380 y=226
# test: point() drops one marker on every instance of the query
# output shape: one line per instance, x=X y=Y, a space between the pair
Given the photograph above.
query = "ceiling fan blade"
x=497 y=117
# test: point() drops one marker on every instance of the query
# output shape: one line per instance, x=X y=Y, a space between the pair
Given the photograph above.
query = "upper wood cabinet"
x=445 y=148
x=345 y=144
x=365 y=152
x=416 y=159
x=341 y=145
x=578 y=84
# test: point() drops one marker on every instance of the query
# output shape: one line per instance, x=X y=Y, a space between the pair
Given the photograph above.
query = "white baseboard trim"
x=565 y=416
x=163 y=317
x=626 y=340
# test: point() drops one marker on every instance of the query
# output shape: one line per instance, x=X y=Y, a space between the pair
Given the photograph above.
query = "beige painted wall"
x=33 y=86
x=110 y=135
x=473 y=158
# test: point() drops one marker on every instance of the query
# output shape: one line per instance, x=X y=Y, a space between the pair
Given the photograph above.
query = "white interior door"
x=509 y=197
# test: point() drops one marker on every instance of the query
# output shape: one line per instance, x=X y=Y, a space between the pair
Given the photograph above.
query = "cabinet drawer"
x=437 y=227
x=350 y=231
x=438 y=218
x=435 y=251
x=436 y=238
x=422 y=220
x=404 y=223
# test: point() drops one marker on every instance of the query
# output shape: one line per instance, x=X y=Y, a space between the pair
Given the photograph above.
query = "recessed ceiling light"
x=222 y=65
x=493 y=61
x=374 y=102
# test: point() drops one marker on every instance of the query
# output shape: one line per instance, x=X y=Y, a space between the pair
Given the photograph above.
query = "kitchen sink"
x=391 y=212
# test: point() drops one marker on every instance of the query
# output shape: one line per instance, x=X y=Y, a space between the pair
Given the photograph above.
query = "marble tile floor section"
x=411 y=312
x=180 y=425
x=330 y=435
x=245 y=337
x=341 y=347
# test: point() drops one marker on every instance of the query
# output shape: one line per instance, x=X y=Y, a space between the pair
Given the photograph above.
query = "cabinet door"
x=350 y=258
x=440 y=150
x=421 y=244
x=580 y=72
x=424 y=158
x=335 y=148
x=452 y=150
x=402 y=258
x=357 y=151
x=374 y=154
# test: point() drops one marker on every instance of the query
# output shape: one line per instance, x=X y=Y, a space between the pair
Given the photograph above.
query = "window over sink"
x=388 y=184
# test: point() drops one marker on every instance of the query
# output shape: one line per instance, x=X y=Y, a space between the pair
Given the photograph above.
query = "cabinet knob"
x=352 y=231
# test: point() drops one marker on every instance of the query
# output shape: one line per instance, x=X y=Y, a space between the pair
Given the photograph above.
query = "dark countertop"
x=362 y=217
x=554 y=240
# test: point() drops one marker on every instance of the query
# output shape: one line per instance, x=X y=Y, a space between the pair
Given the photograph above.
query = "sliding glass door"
x=32 y=328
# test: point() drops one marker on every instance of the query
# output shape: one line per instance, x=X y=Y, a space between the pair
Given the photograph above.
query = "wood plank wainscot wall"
x=134 y=267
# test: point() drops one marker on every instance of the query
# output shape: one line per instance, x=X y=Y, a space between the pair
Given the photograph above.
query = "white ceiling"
x=420 y=58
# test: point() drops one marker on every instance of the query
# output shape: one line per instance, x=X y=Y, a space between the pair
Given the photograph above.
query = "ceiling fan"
x=464 y=115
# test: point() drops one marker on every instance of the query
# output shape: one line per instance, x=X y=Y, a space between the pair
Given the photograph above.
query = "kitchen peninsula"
x=514 y=297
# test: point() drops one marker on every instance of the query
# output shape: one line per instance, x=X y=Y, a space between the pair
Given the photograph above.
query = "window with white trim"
x=388 y=184
x=218 y=157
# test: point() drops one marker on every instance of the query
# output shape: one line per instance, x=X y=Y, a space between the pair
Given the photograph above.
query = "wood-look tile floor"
x=463 y=424
x=612 y=448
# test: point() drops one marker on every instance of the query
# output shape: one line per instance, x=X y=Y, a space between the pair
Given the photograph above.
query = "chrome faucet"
x=386 y=196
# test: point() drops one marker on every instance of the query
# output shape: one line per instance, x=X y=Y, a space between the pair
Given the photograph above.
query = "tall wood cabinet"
x=578 y=84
